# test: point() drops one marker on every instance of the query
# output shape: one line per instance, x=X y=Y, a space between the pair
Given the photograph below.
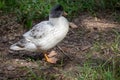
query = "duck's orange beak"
x=64 y=13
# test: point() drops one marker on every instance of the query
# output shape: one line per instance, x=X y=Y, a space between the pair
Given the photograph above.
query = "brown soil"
x=72 y=51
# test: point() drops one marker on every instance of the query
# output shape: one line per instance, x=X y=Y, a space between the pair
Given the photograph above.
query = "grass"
x=85 y=72
x=100 y=68
x=29 y=10
x=97 y=73
x=116 y=43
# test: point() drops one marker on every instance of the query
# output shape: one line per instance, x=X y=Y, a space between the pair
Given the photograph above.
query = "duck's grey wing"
x=38 y=31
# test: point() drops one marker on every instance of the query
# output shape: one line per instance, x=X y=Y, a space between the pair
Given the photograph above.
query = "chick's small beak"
x=65 y=14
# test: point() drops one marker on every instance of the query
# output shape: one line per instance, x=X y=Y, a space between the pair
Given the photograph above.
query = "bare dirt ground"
x=79 y=46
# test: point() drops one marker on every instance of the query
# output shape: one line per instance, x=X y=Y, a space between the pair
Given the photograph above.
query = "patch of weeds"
x=29 y=10
x=116 y=68
x=71 y=7
x=89 y=72
x=33 y=76
x=103 y=47
x=88 y=5
x=10 y=6
x=30 y=59
x=116 y=16
x=113 y=64
x=116 y=44
x=2 y=4
x=39 y=75
x=96 y=47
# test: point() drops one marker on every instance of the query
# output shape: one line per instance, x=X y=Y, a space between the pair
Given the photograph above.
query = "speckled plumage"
x=44 y=35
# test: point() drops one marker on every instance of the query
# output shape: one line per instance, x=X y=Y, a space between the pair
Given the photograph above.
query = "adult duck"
x=45 y=35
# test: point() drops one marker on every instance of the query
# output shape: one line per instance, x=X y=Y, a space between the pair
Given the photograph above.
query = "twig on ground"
x=64 y=52
x=73 y=25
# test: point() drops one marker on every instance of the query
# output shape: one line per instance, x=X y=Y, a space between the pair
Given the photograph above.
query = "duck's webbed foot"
x=51 y=57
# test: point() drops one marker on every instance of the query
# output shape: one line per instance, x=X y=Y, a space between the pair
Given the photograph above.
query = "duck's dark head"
x=56 y=11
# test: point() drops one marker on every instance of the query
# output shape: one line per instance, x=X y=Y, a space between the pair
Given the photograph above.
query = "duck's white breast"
x=56 y=34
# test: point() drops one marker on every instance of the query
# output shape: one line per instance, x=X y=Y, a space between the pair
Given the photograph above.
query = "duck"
x=45 y=35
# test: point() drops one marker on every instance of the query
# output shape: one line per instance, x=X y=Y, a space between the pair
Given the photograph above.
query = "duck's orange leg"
x=50 y=59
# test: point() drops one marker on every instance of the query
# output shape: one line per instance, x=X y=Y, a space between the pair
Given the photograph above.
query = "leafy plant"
x=29 y=10
x=2 y=4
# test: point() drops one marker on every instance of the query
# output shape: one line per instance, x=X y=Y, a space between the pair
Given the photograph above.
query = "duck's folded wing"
x=37 y=32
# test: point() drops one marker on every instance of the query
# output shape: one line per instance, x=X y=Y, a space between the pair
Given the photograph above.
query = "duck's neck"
x=54 y=21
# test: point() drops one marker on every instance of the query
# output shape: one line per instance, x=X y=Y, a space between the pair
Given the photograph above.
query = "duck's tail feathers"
x=20 y=45
x=24 y=44
x=16 y=47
